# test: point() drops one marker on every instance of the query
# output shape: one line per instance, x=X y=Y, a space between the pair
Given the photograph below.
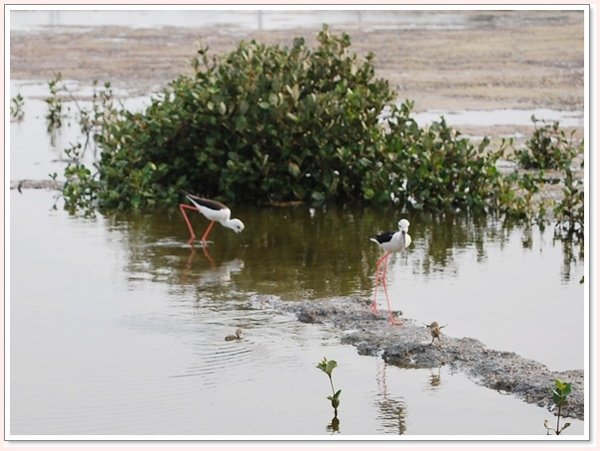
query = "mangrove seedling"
x=17 y=103
x=327 y=367
x=560 y=394
x=55 y=114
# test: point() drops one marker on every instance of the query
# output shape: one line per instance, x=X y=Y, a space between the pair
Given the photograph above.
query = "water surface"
x=117 y=326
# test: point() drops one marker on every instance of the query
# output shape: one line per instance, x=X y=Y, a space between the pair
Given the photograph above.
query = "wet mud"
x=411 y=346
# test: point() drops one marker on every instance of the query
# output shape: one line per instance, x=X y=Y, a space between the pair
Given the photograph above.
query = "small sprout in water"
x=17 y=104
x=560 y=394
x=237 y=336
x=327 y=366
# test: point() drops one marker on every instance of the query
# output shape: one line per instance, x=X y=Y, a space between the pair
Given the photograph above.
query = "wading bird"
x=389 y=242
x=213 y=211
x=436 y=331
x=237 y=336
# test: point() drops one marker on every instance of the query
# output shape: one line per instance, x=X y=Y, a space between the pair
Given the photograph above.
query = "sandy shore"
x=523 y=60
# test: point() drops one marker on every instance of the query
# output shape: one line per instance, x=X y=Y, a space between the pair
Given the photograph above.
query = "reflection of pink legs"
x=380 y=276
x=207 y=255
x=184 y=207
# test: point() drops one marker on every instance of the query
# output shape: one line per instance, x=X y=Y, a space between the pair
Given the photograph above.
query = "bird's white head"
x=236 y=225
x=403 y=225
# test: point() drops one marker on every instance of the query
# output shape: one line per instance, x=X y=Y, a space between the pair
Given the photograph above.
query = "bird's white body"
x=217 y=212
x=394 y=242
x=399 y=242
x=213 y=211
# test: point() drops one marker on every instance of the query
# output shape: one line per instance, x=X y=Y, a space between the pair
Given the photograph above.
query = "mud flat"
x=494 y=59
x=408 y=346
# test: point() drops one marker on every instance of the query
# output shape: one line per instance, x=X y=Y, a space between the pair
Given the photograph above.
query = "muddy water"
x=117 y=326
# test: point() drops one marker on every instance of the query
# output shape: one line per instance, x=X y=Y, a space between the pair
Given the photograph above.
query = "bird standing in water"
x=390 y=242
x=237 y=336
x=213 y=211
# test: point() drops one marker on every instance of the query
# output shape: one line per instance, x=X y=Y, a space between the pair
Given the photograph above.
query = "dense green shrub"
x=268 y=124
x=264 y=124
x=437 y=167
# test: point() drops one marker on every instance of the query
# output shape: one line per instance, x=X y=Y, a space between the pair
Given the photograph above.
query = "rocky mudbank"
x=410 y=346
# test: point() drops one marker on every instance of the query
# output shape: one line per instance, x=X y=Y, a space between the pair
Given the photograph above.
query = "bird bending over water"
x=390 y=242
x=213 y=211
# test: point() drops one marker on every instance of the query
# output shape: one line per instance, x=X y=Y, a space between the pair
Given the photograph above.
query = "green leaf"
x=330 y=366
x=294 y=169
x=318 y=196
x=293 y=117
x=240 y=123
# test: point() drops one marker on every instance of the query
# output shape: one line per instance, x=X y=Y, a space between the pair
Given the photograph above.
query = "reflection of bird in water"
x=222 y=273
x=435 y=379
x=392 y=411
x=215 y=274
x=213 y=211
x=436 y=331
x=236 y=336
x=390 y=242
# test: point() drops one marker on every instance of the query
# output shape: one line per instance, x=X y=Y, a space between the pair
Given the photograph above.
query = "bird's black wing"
x=383 y=237
x=208 y=203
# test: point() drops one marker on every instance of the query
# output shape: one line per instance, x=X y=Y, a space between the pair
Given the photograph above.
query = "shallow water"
x=504 y=116
x=238 y=18
x=117 y=326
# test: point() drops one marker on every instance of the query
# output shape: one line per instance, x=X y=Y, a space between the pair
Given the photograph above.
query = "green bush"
x=548 y=147
x=569 y=211
x=437 y=167
x=265 y=124
x=269 y=124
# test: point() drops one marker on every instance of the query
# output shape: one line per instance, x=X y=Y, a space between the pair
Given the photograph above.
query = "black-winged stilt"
x=213 y=211
x=389 y=242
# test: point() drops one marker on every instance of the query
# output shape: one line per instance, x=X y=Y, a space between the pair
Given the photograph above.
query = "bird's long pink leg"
x=184 y=207
x=207 y=232
x=391 y=317
x=374 y=303
x=377 y=280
